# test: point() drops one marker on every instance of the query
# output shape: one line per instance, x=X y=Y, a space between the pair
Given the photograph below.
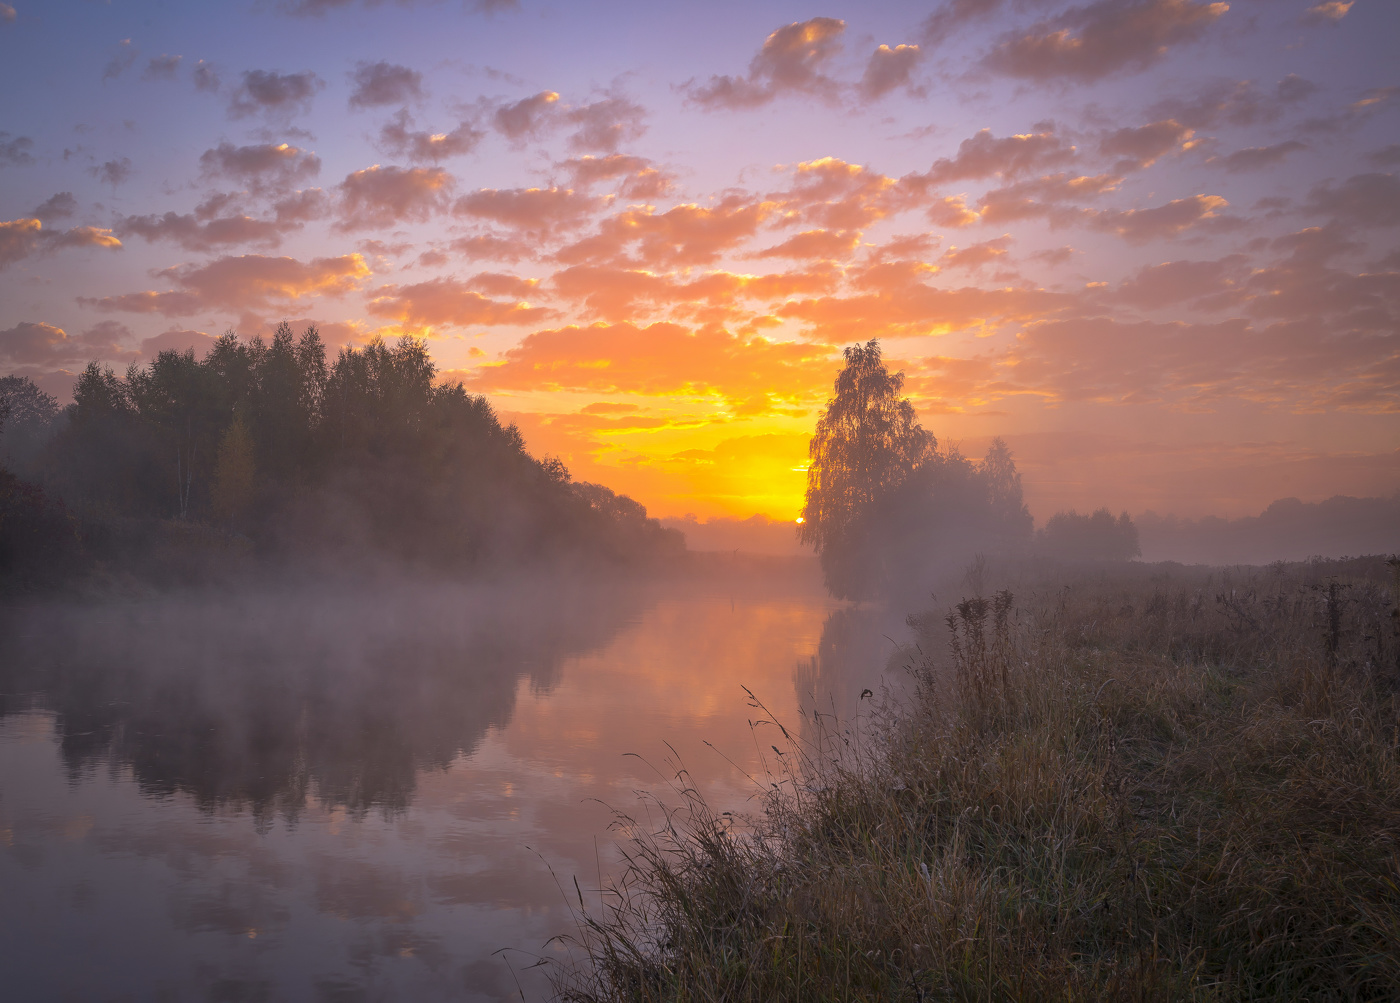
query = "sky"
x=1153 y=244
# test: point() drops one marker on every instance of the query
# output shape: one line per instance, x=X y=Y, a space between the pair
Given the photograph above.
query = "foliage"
x=1117 y=787
x=1096 y=537
x=27 y=415
x=234 y=473
x=39 y=542
x=369 y=453
x=881 y=498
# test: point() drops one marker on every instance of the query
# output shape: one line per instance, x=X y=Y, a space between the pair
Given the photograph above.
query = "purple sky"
x=1153 y=243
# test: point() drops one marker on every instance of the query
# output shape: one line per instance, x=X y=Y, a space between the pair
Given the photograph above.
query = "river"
x=355 y=793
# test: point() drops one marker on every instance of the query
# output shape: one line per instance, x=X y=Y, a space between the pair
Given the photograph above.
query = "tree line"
x=272 y=443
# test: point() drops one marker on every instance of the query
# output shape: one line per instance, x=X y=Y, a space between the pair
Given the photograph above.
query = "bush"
x=39 y=540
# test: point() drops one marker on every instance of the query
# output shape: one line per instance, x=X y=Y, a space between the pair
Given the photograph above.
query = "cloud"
x=1293 y=88
x=1386 y=156
x=1364 y=201
x=1297 y=363
x=397 y=137
x=60 y=206
x=380 y=197
x=984 y=155
x=951 y=211
x=711 y=298
x=492 y=247
x=685 y=235
x=606 y=124
x=1054 y=197
x=7 y=13
x=815 y=245
x=206 y=78
x=1139 y=147
x=44 y=345
x=86 y=236
x=278 y=95
x=888 y=69
x=976 y=255
x=1092 y=42
x=161 y=67
x=384 y=83
x=1179 y=283
x=121 y=60
x=747 y=373
x=639 y=179
x=21 y=238
x=204 y=229
x=834 y=194
x=449 y=302
x=540 y=212
x=15 y=152
x=954 y=15
x=302 y=206
x=790 y=60
x=1328 y=12
x=1301 y=335
x=241 y=283
x=1256 y=158
x=503 y=284
x=33 y=343
x=527 y=117
x=112 y=172
x=1139 y=226
x=1235 y=102
x=892 y=299
x=1361 y=200
x=261 y=167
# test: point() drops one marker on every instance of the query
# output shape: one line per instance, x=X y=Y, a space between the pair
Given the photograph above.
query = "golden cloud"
x=448 y=302
x=248 y=281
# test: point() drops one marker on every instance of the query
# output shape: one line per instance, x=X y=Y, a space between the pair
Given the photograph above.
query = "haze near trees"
x=270 y=448
x=882 y=500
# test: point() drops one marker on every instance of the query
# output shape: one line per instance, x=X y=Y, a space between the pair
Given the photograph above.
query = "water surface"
x=368 y=794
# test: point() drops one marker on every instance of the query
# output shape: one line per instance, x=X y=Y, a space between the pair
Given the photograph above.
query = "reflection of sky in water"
x=360 y=802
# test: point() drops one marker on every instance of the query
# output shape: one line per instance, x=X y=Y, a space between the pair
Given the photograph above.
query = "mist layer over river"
x=360 y=794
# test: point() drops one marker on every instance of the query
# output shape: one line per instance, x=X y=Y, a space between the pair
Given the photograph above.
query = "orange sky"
x=1152 y=243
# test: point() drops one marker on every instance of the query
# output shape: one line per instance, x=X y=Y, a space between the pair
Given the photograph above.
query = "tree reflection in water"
x=263 y=702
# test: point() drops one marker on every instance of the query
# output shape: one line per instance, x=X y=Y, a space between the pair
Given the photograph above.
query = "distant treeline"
x=1288 y=530
x=1095 y=537
x=269 y=449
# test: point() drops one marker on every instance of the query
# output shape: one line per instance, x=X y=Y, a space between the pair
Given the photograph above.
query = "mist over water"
x=364 y=792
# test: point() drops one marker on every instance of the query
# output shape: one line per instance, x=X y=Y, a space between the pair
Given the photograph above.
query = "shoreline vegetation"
x=269 y=459
x=1125 y=782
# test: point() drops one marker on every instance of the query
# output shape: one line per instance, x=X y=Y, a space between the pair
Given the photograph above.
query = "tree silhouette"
x=866 y=445
x=883 y=504
x=371 y=454
x=1095 y=537
x=234 y=471
x=1004 y=497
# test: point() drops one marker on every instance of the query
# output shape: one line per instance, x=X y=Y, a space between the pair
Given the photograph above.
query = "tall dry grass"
x=1119 y=785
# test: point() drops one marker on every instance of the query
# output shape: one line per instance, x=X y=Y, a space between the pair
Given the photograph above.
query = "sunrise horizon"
x=1150 y=245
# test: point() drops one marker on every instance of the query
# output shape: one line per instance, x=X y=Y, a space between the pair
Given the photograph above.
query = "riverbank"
x=1148 y=782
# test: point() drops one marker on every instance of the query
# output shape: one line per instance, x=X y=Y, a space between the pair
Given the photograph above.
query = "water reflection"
x=357 y=795
x=263 y=701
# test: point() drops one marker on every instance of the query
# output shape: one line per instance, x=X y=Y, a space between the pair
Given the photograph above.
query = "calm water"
x=361 y=796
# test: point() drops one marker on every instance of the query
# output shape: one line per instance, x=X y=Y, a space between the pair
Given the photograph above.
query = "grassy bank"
x=1147 y=783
